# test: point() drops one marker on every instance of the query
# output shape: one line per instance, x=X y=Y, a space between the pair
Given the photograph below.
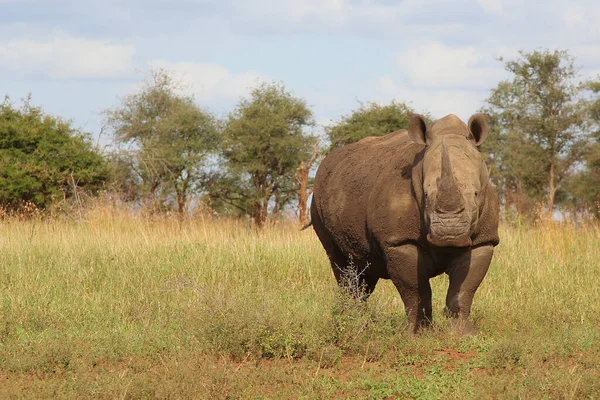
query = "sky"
x=80 y=57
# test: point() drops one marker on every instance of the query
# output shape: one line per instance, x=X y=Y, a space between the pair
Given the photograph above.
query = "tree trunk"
x=181 y=200
x=303 y=192
x=264 y=211
x=257 y=215
x=302 y=179
x=267 y=192
x=257 y=206
x=521 y=200
x=508 y=200
x=551 y=191
x=152 y=206
x=260 y=208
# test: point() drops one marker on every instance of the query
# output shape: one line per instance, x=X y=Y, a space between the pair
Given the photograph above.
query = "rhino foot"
x=462 y=327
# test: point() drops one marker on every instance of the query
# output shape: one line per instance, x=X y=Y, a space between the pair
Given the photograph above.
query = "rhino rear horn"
x=478 y=128
x=417 y=128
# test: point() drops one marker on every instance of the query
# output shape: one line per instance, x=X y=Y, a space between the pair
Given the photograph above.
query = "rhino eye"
x=476 y=194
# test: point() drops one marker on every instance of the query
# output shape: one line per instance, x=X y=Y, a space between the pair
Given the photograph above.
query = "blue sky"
x=78 y=57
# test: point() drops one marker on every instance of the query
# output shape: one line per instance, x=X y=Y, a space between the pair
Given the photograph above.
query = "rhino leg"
x=347 y=275
x=350 y=275
x=466 y=273
x=407 y=266
x=340 y=264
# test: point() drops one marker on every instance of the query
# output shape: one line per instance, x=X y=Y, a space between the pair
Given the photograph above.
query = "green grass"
x=121 y=307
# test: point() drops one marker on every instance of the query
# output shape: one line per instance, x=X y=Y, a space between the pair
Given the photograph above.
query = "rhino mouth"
x=464 y=241
x=449 y=233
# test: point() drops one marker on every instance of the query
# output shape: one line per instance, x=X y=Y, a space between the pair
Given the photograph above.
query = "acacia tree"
x=370 y=119
x=584 y=186
x=44 y=158
x=167 y=138
x=509 y=154
x=537 y=118
x=264 y=141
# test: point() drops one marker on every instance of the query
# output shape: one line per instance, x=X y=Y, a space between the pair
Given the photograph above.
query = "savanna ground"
x=122 y=307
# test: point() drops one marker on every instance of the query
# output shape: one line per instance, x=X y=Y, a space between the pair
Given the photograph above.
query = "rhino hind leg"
x=351 y=275
x=465 y=275
x=354 y=278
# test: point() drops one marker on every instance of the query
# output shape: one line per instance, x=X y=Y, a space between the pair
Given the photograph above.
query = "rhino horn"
x=449 y=198
x=446 y=164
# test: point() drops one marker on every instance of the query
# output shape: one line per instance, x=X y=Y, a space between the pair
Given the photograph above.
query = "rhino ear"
x=478 y=128
x=417 y=128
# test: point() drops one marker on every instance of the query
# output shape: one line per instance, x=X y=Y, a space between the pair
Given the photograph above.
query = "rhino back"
x=352 y=182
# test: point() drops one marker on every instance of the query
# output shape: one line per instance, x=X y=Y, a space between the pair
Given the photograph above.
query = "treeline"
x=170 y=155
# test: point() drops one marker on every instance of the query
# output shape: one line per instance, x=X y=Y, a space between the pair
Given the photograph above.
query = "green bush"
x=44 y=159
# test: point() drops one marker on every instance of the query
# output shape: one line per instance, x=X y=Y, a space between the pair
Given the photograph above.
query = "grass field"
x=121 y=307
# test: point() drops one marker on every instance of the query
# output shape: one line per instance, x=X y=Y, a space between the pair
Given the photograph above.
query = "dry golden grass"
x=119 y=306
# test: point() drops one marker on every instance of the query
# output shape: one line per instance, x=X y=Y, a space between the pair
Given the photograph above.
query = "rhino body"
x=407 y=207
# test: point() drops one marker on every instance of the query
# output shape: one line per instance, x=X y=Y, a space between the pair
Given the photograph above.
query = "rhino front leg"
x=466 y=274
x=407 y=266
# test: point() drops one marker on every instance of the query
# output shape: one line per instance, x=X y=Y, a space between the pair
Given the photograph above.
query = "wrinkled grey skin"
x=410 y=206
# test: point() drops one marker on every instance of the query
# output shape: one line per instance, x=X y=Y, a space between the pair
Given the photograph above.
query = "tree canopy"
x=584 y=187
x=164 y=138
x=44 y=159
x=371 y=119
x=169 y=154
x=537 y=119
x=265 y=139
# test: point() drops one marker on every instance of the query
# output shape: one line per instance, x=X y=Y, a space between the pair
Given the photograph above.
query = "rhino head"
x=454 y=177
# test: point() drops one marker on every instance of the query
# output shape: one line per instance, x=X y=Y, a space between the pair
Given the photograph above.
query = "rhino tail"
x=306 y=226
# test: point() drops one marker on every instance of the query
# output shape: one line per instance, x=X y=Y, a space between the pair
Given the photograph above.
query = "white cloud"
x=509 y=9
x=574 y=15
x=433 y=64
x=66 y=57
x=593 y=74
x=581 y=22
x=461 y=102
x=587 y=56
x=364 y=18
x=299 y=9
x=212 y=82
x=492 y=6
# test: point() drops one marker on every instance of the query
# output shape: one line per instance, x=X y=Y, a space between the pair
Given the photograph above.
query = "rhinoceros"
x=407 y=207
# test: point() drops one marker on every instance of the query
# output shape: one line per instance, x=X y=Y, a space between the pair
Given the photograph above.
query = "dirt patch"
x=219 y=377
x=454 y=355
